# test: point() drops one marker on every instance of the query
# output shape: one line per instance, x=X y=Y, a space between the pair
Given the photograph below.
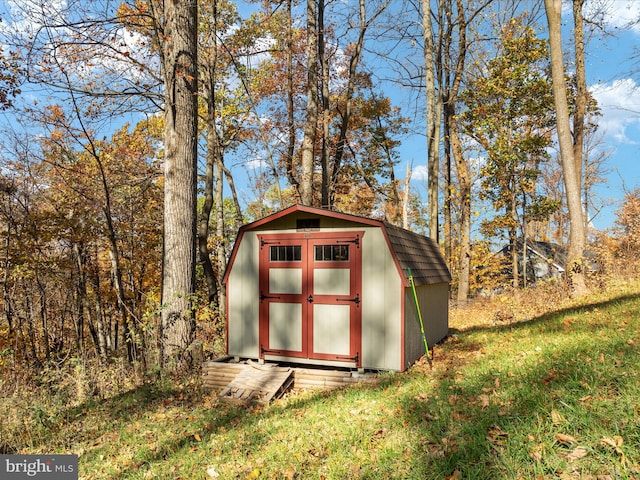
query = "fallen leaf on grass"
x=615 y=442
x=565 y=439
x=495 y=431
x=569 y=476
x=378 y=434
x=255 y=473
x=212 y=472
x=557 y=418
x=536 y=452
x=290 y=473
x=551 y=376
x=484 y=400
x=577 y=453
x=497 y=437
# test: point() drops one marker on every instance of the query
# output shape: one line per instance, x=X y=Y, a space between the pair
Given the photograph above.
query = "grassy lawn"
x=555 y=394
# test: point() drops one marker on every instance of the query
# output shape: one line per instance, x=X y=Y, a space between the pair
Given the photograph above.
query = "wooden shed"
x=312 y=286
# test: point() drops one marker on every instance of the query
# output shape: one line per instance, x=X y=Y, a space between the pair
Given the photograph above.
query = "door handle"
x=310 y=299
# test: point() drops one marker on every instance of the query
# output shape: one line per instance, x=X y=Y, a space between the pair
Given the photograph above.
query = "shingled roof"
x=419 y=253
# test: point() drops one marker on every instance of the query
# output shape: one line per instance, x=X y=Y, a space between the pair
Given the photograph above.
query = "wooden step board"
x=217 y=374
x=308 y=378
x=260 y=383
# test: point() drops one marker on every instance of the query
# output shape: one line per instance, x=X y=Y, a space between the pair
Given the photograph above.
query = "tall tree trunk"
x=221 y=257
x=104 y=329
x=405 y=198
x=205 y=214
x=575 y=266
x=309 y=139
x=180 y=164
x=327 y=197
x=464 y=185
x=513 y=239
x=580 y=102
x=44 y=320
x=28 y=318
x=432 y=120
x=238 y=220
x=448 y=187
x=132 y=338
x=454 y=82
x=6 y=296
x=291 y=124
x=213 y=150
x=447 y=73
x=84 y=305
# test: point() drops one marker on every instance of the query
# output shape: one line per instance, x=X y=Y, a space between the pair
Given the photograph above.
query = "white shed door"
x=310 y=296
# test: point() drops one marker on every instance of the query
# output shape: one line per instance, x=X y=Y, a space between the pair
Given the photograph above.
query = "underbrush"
x=37 y=402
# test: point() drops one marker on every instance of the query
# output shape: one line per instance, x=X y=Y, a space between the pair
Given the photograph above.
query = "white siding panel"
x=243 y=300
x=381 y=304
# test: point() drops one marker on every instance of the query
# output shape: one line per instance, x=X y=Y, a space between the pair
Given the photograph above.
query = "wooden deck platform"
x=251 y=381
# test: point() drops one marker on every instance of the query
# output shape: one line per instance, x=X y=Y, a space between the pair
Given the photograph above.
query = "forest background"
x=321 y=103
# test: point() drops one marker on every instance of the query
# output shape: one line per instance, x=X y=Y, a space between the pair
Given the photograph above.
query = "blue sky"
x=610 y=71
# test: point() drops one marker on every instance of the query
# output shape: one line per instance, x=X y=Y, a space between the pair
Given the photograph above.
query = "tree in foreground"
x=575 y=264
x=179 y=61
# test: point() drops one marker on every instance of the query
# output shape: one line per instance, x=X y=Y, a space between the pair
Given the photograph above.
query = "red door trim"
x=307 y=241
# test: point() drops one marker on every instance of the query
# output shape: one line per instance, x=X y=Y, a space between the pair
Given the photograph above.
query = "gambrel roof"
x=410 y=250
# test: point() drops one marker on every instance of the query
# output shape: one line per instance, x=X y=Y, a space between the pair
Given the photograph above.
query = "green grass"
x=556 y=396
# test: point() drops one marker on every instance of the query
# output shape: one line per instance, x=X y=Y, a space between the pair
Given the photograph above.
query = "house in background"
x=544 y=260
x=312 y=286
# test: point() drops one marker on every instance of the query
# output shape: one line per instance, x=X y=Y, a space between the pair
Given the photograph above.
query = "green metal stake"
x=415 y=299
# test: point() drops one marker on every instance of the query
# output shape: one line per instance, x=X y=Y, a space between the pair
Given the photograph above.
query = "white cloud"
x=615 y=13
x=420 y=173
x=619 y=102
x=29 y=17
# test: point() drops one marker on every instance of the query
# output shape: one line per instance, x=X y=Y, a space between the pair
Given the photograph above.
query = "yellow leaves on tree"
x=628 y=223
